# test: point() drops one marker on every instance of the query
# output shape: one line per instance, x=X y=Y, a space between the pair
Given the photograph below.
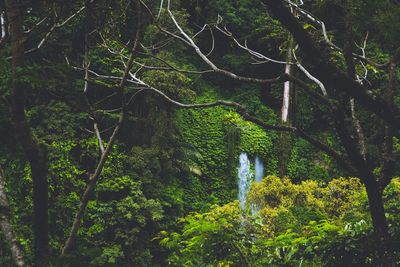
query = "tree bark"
x=379 y=222
x=328 y=73
x=90 y=187
x=345 y=86
x=35 y=153
x=351 y=72
x=287 y=85
x=373 y=187
x=6 y=227
x=284 y=140
x=70 y=243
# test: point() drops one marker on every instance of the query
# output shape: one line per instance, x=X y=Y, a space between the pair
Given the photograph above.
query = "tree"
x=122 y=63
x=34 y=152
x=335 y=79
x=341 y=86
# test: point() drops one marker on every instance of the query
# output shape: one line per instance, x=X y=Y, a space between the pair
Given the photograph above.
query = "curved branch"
x=328 y=73
x=244 y=46
x=90 y=187
x=307 y=14
x=52 y=29
x=340 y=159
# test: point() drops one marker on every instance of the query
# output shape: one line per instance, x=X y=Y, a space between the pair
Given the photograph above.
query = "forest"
x=227 y=133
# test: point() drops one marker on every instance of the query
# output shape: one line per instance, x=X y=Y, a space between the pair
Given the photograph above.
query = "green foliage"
x=215 y=238
x=204 y=130
x=279 y=198
x=252 y=139
x=218 y=136
x=319 y=244
x=169 y=164
x=295 y=224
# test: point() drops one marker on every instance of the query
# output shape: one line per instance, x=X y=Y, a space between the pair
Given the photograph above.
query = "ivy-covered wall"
x=217 y=136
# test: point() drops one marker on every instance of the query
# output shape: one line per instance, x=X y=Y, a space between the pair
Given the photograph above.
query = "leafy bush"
x=296 y=224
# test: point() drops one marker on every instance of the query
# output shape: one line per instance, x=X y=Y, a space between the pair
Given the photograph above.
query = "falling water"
x=258 y=170
x=245 y=178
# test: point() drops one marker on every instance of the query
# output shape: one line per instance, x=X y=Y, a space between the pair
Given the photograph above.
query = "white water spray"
x=258 y=170
x=245 y=178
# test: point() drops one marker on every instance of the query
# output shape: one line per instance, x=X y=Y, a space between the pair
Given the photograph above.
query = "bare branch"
x=359 y=130
x=159 y=27
x=52 y=29
x=94 y=178
x=89 y=71
x=37 y=24
x=287 y=85
x=340 y=159
x=328 y=73
x=259 y=56
x=158 y=45
x=310 y=76
x=326 y=38
x=98 y=135
x=169 y=66
x=198 y=51
x=160 y=9
x=362 y=78
x=3 y=27
x=189 y=41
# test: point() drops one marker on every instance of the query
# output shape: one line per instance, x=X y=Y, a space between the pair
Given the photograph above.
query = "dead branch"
x=340 y=159
x=53 y=28
x=90 y=187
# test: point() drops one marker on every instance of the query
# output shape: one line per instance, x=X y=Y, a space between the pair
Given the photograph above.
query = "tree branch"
x=34 y=152
x=3 y=27
x=70 y=242
x=340 y=159
x=308 y=15
x=55 y=26
x=329 y=74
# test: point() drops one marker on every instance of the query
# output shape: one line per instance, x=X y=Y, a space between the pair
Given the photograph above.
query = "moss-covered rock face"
x=217 y=136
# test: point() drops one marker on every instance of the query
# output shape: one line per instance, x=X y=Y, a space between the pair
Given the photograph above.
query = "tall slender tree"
x=35 y=153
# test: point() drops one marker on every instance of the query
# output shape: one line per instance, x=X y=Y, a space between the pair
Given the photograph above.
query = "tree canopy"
x=122 y=123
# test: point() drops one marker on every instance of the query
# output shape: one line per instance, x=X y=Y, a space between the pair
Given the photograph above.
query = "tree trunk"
x=351 y=72
x=6 y=227
x=335 y=79
x=35 y=153
x=327 y=72
x=379 y=222
x=374 y=189
x=286 y=85
x=90 y=187
x=70 y=243
x=284 y=140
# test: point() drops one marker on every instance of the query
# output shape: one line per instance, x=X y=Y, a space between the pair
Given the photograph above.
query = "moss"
x=218 y=135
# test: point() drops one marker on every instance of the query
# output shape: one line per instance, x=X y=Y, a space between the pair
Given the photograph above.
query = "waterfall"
x=245 y=178
x=258 y=170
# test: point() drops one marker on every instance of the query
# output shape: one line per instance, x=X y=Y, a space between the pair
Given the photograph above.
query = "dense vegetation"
x=122 y=122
